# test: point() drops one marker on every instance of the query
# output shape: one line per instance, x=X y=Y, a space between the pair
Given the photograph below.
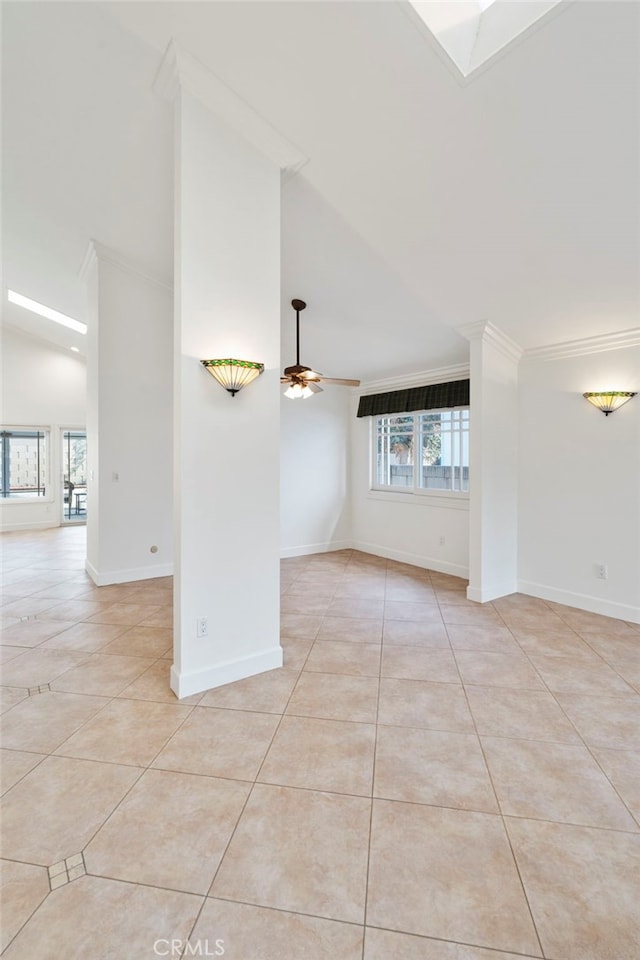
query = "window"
x=421 y=452
x=23 y=463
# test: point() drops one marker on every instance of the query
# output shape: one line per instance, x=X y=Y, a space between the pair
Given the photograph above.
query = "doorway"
x=74 y=476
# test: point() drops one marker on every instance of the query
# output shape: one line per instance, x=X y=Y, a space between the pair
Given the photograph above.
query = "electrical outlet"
x=602 y=571
x=202 y=627
x=442 y=541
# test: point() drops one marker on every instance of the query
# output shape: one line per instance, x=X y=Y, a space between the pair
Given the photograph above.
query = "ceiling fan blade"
x=311 y=375
x=344 y=383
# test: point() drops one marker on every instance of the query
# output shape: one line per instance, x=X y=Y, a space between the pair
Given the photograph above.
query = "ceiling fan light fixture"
x=302 y=382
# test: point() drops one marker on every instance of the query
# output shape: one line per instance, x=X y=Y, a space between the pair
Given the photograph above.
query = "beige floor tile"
x=126 y=731
x=113 y=593
x=10 y=696
x=72 y=610
x=498 y=670
x=522 y=714
x=553 y=644
x=102 y=675
x=614 y=648
x=10 y=653
x=39 y=667
x=141 y=642
x=421 y=633
x=476 y=615
x=106 y=920
x=385 y=945
x=604 y=721
x=333 y=656
x=426 y=862
x=295 y=652
x=622 y=767
x=553 y=781
x=321 y=755
x=156 y=596
x=31 y=607
x=43 y=722
x=415 y=703
x=247 y=932
x=66 y=591
x=31 y=633
x=629 y=671
x=89 y=637
x=581 y=885
x=170 y=831
x=566 y=675
x=449 y=597
x=299 y=850
x=23 y=887
x=351 y=630
x=411 y=610
x=360 y=609
x=334 y=696
x=219 y=743
x=415 y=592
x=266 y=693
x=584 y=622
x=432 y=766
x=77 y=796
x=153 y=684
x=360 y=588
x=299 y=626
x=419 y=663
x=491 y=638
x=161 y=617
x=14 y=765
x=293 y=604
x=125 y=613
x=309 y=591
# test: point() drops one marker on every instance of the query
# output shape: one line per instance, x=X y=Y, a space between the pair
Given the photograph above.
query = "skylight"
x=473 y=31
x=48 y=312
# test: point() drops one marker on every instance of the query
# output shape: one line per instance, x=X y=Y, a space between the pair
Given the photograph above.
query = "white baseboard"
x=186 y=684
x=607 y=608
x=485 y=594
x=402 y=556
x=304 y=551
x=33 y=525
x=127 y=576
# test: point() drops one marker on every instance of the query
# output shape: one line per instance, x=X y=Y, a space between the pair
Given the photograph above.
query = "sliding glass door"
x=74 y=474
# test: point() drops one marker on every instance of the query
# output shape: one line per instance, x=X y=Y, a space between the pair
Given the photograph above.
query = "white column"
x=493 y=463
x=227 y=449
x=129 y=374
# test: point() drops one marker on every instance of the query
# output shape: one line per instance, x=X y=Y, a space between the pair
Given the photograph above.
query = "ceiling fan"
x=303 y=381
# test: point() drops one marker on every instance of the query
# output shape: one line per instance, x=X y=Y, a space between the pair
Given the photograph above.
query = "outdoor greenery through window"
x=422 y=451
x=23 y=463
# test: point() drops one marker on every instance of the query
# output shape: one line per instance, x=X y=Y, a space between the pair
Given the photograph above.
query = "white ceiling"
x=511 y=197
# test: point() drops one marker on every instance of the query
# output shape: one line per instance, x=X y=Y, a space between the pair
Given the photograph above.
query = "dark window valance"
x=435 y=396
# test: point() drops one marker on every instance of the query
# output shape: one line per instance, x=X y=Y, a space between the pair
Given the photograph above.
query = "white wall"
x=42 y=386
x=129 y=423
x=579 y=485
x=405 y=527
x=227 y=449
x=314 y=452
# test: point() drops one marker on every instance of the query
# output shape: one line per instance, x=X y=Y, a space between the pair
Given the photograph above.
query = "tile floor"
x=425 y=779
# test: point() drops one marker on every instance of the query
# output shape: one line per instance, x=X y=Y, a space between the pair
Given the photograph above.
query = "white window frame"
x=30 y=499
x=414 y=492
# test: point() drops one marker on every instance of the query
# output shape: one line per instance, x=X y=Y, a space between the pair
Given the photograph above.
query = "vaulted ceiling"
x=428 y=201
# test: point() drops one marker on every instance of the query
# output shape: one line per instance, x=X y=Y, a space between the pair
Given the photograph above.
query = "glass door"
x=74 y=476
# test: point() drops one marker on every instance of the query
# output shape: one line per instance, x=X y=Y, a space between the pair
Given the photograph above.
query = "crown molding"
x=458 y=371
x=487 y=332
x=180 y=70
x=580 y=348
x=99 y=252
